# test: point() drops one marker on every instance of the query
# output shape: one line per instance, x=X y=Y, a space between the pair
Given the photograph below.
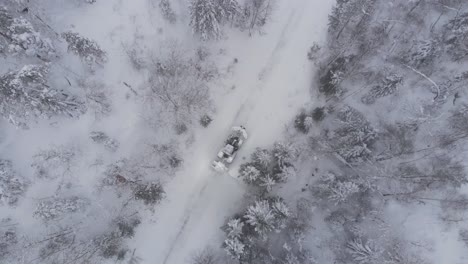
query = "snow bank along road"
x=272 y=81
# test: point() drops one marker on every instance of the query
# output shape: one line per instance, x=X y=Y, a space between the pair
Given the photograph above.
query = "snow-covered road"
x=272 y=81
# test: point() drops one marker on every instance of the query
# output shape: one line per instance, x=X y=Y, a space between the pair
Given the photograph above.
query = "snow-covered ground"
x=272 y=81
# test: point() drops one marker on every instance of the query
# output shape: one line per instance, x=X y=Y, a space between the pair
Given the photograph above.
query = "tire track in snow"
x=269 y=66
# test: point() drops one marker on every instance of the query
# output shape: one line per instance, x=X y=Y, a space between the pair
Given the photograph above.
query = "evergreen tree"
x=234 y=228
x=25 y=94
x=234 y=247
x=261 y=217
x=204 y=19
x=88 y=50
x=229 y=9
x=387 y=87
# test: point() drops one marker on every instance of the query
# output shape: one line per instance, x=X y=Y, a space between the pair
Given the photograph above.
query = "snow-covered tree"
x=204 y=19
x=234 y=247
x=342 y=190
x=229 y=9
x=25 y=94
x=347 y=13
x=12 y=186
x=363 y=252
x=455 y=34
x=150 y=193
x=50 y=209
x=20 y=36
x=387 y=87
x=256 y=13
x=280 y=211
x=249 y=173
x=354 y=136
x=267 y=182
x=269 y=167
x=205 y=256
x=285 y=154
x=261 y=217
x=88 y=50
x=166 y=10
x=178 y=84
x=234 y=228
x=263 y=157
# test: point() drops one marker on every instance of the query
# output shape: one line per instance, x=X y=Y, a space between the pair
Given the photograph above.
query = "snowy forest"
x=354 y=117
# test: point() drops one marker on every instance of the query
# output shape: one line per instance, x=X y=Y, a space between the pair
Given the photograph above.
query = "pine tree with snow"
x=267 y=182
x=280 y=211
x=256 y=13
x=363 y=252
x=387 y=87
x=234 y=248
x=11 y=185
x=261 y=217
x=263 y=158
x=25 y=94
x=348 y=12
x=19 y=36
x=354 y=137
x=204 y=19
x=249 y=173
x=342 y=190
x=234 y=228
x=230 y=9
x=285 y=154
x=88 y=50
